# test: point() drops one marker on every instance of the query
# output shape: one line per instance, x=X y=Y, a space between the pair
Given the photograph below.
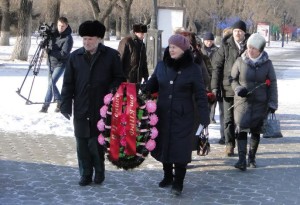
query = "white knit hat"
x=257 y=41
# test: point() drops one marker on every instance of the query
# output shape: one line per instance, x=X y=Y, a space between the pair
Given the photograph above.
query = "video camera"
x=46 y=31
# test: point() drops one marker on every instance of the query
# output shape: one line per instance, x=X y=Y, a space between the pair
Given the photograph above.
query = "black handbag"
x=203 y=145
x=271 y=127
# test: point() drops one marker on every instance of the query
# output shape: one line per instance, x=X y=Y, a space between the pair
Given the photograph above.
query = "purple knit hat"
x=180 y=41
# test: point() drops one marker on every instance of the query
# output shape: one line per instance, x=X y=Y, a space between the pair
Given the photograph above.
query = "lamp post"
x=283 y=28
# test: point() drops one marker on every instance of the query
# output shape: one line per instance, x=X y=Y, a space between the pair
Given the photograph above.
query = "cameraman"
x=58 y=49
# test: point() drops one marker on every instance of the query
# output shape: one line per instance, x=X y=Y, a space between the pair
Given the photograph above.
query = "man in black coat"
x=92 y=72
x=231 y=48
x=133 y=55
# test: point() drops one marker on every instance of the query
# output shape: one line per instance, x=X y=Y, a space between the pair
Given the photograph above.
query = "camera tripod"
x=35 y=64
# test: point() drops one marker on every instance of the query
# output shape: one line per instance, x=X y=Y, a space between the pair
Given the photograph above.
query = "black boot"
x=177 y=186
x=168 y=175
x=44 y=109
x=222 y=140
x=254 y=142
x=99 y=177
x=85 y=180
x=58 y=104
x=242 y=149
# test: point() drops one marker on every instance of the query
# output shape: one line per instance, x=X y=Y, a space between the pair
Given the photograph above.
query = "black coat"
x=178 y=83
x=60 y=46
x=223 y=60
x=87 y=82
x=133 y=58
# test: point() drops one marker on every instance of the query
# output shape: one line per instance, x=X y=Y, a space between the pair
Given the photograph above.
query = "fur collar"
x=184 y=61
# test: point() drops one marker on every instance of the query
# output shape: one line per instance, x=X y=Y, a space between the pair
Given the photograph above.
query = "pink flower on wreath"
x=108 y=98
x=101 y=125
x=151 y=106
x=103 y=110
x=123 y=142
x=150 y=145
x=154 y=133
x=101 y=139
x=153 y=119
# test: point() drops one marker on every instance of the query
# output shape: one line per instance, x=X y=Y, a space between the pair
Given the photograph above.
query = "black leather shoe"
x=99 y=178
x=85 y=180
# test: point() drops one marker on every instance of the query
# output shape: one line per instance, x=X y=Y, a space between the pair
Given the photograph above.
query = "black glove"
x=271 y=110
x=66 y=115
x=242 y=92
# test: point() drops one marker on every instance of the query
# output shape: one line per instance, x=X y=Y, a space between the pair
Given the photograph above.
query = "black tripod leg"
x=35 y=63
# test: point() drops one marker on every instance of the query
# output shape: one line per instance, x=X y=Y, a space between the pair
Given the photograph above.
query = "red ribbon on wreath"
x=119 y=122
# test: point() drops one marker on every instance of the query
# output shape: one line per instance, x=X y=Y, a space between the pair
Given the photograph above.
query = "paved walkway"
x=43 y=170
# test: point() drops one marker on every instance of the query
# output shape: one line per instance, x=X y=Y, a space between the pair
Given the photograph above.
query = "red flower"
x=267 y=83
x=211 y=97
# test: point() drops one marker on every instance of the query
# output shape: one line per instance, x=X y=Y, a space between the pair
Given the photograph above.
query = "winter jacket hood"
x=264 y=57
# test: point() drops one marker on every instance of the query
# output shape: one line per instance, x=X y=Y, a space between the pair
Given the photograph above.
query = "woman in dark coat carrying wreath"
x=255 y=86
x=177 y=79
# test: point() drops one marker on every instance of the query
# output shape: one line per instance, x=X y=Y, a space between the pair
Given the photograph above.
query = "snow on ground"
x=17 y=116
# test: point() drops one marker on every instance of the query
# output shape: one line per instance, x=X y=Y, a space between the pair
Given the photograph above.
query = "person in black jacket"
x=92 y=72
x=179 y=83
x=231 y=48
x=209 y=48
x=133 y=55
x=59 y=48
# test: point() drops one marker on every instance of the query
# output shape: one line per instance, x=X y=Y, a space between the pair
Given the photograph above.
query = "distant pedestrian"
x=92 y=71
x=255 y=86
x=209 y=48
x=133 y=55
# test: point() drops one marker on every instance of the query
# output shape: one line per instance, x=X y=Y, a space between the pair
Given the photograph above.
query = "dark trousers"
x=229 y=128
x=212 y=111
x=221 y=113
x=90 y=153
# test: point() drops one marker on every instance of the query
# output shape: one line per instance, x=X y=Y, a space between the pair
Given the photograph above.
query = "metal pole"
x=283 y=29
x=282 y=37
x=284 y=24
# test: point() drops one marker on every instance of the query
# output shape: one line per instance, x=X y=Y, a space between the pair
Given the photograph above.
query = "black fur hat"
x=92 y=28
x=139 y=28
